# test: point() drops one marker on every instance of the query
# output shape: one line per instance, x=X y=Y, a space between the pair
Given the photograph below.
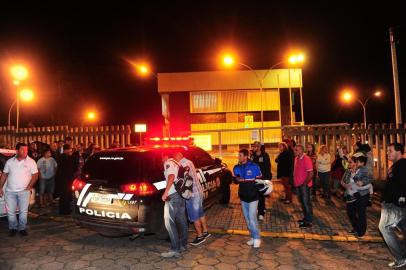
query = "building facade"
x=227 y=107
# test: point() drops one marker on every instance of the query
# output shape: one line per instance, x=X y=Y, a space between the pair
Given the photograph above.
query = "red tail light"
x=78 y=184
x=139 y=189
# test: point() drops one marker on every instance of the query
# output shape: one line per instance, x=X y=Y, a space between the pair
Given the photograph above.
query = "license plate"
x=101 y=198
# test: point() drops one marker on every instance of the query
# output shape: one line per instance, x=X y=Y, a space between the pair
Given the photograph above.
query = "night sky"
x=77 y=54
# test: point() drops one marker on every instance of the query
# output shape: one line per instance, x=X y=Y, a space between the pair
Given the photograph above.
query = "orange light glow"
x=228 y=60
x=26 y=95
x=91 y=115
x=347 y=96
x=19 y=72
x=296 y=58
x=378 y=93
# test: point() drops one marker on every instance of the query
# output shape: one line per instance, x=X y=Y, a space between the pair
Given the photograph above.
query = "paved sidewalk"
x=55 y=245
x=330 y=219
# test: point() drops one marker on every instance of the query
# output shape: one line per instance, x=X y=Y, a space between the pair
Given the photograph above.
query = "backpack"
x=184 y=182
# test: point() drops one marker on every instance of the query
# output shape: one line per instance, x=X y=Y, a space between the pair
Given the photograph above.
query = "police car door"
x=207 y=172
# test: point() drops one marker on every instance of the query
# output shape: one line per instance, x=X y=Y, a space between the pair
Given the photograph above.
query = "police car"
x=120 y=190
x=6 y=154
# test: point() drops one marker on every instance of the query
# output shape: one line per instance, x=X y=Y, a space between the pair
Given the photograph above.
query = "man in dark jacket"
x=64 y=178
x=393 y=211
x=246 y=173
x=261 y=158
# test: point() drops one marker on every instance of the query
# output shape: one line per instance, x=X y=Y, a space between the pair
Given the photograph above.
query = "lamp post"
x=348 y=96
x=228 y=60
x=24 y=95
x=19 y=73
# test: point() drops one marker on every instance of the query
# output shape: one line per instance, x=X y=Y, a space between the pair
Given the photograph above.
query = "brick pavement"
x=330 y=219
x=62 y=245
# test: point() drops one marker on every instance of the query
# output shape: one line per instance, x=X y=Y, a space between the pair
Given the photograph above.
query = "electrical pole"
x=398 y=109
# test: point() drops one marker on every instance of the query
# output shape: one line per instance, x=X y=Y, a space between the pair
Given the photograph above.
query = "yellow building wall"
x=241 y=136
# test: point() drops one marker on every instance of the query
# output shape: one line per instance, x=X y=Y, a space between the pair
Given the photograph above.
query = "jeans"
x=250 y=214
x=20 y=199
x=325 y=182
x=194 y=207
x=357 y=213
x=304 y=198
x=175 y=221
x=391 y=215
x=315 y=184
x=288 y=188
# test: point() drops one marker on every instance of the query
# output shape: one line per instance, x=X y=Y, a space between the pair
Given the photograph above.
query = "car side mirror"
x=217 y=161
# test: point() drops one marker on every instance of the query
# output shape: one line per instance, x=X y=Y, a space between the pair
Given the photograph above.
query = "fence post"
x=107 y=136
x=128 y=134
x=122 y=135
x=384 y=146
x=378 y=150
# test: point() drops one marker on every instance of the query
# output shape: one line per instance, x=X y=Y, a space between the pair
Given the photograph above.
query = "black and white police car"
x=119 y=192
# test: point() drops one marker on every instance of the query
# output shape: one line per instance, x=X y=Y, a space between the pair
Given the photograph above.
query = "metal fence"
x=103 y=136
x=378 y=136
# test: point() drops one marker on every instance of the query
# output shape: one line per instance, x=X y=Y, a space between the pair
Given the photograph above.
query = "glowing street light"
x=19 y=72
x=228 y=60
x=26 y=94
x=295 y=59
x=91 y=115
x=348 y=96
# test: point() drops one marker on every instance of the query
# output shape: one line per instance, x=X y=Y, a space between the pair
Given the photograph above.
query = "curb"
x=306 y=236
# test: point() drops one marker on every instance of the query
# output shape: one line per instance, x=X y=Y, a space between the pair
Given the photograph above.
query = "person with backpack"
x=174 y=210
x=194 y=205
x=246 y=173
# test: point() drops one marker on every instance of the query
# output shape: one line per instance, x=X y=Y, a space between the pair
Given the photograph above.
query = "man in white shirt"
x=194 y=205
x=174 y=210
x=21 y=173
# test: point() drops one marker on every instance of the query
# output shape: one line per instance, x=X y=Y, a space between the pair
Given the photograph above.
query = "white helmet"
x=265 y=187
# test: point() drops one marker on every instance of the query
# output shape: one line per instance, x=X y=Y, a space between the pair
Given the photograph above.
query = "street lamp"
x=26 y=95
x=294 y=59
x=143 y=69
x=91 y=116
x=348 y=96
x=19 y=73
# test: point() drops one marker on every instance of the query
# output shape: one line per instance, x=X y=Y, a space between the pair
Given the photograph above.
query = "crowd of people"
x=301 y=170
x=45 y=170
x=310 y=174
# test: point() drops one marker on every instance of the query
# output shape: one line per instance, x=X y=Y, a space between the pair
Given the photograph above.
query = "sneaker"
x=397 y=264
x=206 y=234
x=287 y=202
x=23 y=232
x=182 y=249
x=170 y=254
x=12 y=233
x=257 y=243
x=260 y=217
x=300 y=221
x=250 y=242
x=198 y=240
x=352 y=232
x=305 y=225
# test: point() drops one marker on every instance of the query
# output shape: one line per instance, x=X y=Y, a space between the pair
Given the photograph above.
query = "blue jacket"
x=247 y=174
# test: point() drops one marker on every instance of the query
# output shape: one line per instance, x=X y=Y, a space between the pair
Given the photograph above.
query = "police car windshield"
x=120 y=167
